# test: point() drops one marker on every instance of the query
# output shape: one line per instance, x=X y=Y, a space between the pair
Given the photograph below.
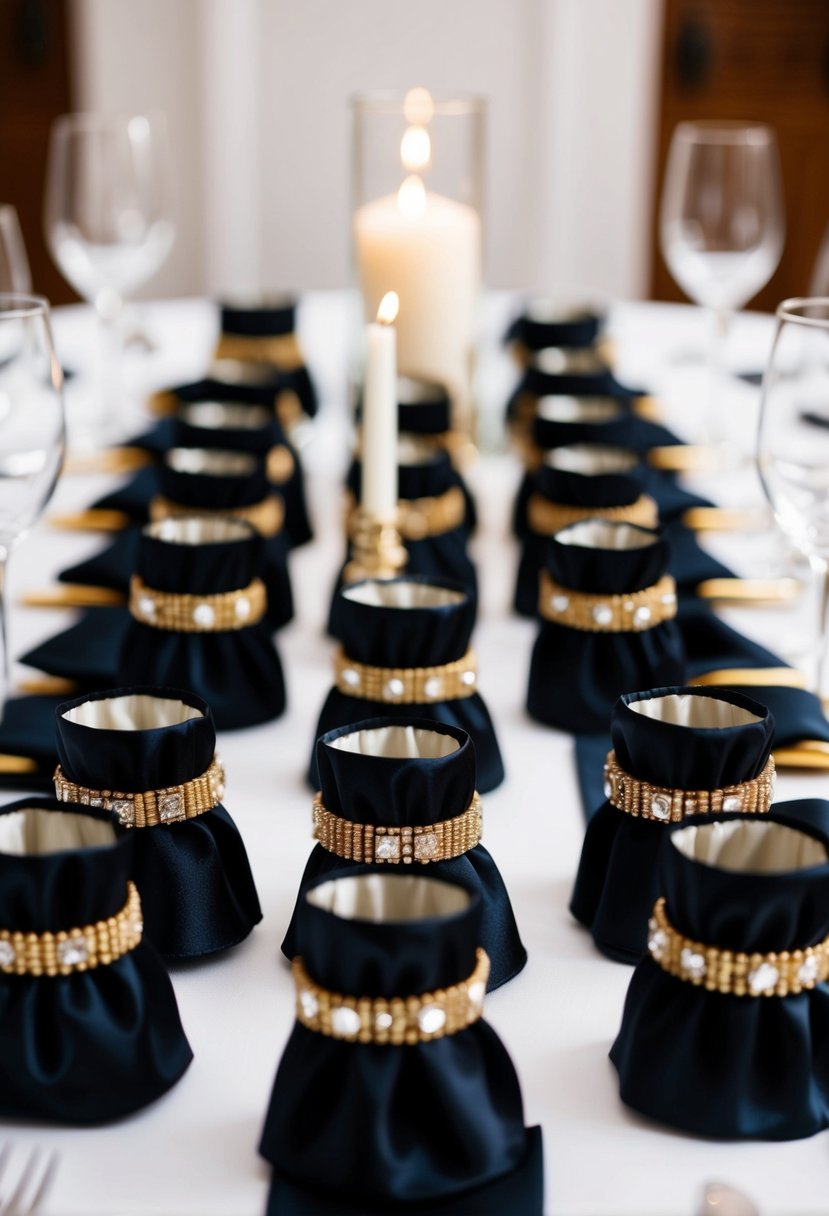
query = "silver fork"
x=33 y=1183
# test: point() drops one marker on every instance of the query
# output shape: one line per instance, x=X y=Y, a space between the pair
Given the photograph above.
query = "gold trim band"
x=406 y=685
x=79 y=949
x=733 y=972
x=419 y=518
x=545 y=518
x=280 y=350
x=267 y=516
x=172 y=804
x=666 y=805
x=395 y=1021
x=752 y=677
x=395 y=845
x=181 y=613
x=630 y=613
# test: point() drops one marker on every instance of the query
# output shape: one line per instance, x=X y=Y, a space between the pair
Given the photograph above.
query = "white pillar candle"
x=427 y=248
x=379 y=429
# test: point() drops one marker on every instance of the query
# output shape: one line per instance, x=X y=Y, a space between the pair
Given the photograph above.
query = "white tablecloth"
x=194 y=1152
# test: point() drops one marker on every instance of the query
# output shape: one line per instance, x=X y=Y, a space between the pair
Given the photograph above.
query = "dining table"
x=194 y=1152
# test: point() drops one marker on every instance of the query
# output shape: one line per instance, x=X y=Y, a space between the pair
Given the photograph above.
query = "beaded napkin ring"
x=406 y=685
x=267 y=516
x=368 y=842
x=631 y=612
x=419 y=518
x=395 y=1021
x=172 y=804
x=667 y=805
x=734 y=972
x=197 y=613
x=79 y=949
x=546 y=518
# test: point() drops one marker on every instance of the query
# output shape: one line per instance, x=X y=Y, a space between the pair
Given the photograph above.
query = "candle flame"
x=411 y=198
x=418 y=106
x=415 y=149
x=388 y=308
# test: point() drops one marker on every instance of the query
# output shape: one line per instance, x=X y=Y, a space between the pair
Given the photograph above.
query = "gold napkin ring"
x=197 y=613
x=632 y=612
x=735 y=972
x=267 y=516
x=394 y=1021
x=80 y=949
x=368 y=842
x=419 y=518
x=666 y=805
x=545 y=518
x=406 y=685
x=172 y=804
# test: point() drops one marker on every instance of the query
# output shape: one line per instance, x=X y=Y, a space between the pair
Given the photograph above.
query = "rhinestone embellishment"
x=242 y=608
x=72 y=951
x=657 y=939
x=763 y=978
x=560 y=603
x=125 y=811
x=146 y=606
x=476 y=993
x=309 y=1003
x=431 y=1018
x=425 y=846
x=468 y=678
x=7 y=954
x=809 y=970
x=395 y=687
x=433 y=686
x=692 y=962
x=204 y=615
x=661 y=807
x=386 y=848
x=642 y=616
x=732 y=802
x=603 y=614
x=345 y=1021
x=351 y=677
x=170 y=807
x=383 y=1021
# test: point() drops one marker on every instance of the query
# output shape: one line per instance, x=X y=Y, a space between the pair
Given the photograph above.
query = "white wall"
x=256 y=92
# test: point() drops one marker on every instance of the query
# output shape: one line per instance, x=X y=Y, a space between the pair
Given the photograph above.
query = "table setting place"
x=414 y=737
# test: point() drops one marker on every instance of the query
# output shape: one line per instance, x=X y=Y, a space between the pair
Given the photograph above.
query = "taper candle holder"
x=376 y=547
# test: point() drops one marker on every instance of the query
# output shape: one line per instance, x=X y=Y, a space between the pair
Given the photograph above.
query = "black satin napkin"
x=182 y=431
x=535 y=383
x=730 y=1067
x=262 y=319
x=577 y=675
x=441 y=556
x=576 y=332
x=237 y=671
x=387 y=636
x=194 y=877
x=373 y=1128
x=414 y=791
x=27 y=731
x=626 y=429
x=94 y=1045
x=616 y=884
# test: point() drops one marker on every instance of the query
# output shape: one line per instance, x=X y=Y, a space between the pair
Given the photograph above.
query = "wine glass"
x=108 y=217
x=32 y=432
x=793 y=444
x=722 y=223
x=14 y=264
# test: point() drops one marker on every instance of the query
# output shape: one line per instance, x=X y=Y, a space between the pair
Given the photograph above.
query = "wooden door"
x=764 y=61
x=34 y=89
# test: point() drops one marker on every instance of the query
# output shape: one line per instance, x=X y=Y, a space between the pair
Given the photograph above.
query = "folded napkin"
x=606 y=623
x=231 y=663
x=28 y=753
x=682 y=739
x=210 y=483
x=411 y=773
x=542 y=327
x=391 y=632
x=535 y=383
x=431 y=1124
x=103 y=1039
x=196 y=886
x=717 y=1063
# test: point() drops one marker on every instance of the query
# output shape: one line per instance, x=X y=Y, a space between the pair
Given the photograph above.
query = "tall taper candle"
x=379 y=430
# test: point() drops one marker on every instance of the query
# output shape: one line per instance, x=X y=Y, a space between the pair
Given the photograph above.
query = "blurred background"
x=583 y=97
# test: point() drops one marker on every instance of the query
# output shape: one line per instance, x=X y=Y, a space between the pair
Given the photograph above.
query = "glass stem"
x=716 y=372
x=5 y=688
x=821 y=570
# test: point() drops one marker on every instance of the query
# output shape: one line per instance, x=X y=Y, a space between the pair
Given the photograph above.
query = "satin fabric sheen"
x=616 y=883
x=720 y=1065
x=413 y=792
x=412 y=637
x=577 y=332
x=409 y=1124
x=95 y=1045
x=576 y=675
x=194 y=877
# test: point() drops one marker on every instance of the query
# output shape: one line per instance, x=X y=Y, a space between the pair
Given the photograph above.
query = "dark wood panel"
x=763 y=61
x=34 y=89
